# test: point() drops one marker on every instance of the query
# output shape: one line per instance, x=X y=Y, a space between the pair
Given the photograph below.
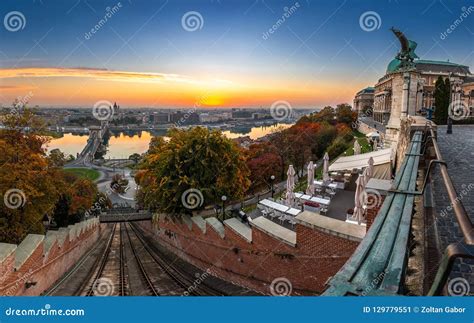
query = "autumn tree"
x=27 y=182
x=32 y=184
x=263 y=162
x=197 y=161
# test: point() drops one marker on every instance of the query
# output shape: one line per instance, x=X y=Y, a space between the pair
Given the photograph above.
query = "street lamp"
x=46 y=222
x=272 y=178
x=223 y=198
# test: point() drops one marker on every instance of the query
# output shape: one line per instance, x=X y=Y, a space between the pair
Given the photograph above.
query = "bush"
x=337 y=148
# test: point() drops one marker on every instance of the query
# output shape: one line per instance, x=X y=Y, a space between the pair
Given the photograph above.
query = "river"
x=123 y=144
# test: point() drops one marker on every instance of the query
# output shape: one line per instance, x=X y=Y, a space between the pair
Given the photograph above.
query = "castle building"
x=364 y=100
x=407 y=88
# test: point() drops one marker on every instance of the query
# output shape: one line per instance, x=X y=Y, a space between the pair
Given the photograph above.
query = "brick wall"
x=317 y=256
x=376 y=201
x=44 y=267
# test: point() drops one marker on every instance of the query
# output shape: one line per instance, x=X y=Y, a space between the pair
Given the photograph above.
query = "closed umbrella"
x=326 y=168
x=310 y=188
x=290 y=185
x=358 y=200
x=357 y=148
x=375 y=145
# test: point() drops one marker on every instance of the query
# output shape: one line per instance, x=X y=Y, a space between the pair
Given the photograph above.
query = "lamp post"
x=46 y=222
x=223 y=198
x=272 y=179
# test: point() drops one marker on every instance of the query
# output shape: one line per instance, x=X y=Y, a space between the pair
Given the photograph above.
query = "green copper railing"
x=378 y=265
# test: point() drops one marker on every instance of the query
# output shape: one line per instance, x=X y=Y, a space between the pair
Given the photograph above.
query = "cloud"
x=94 y=73
x=14 y=87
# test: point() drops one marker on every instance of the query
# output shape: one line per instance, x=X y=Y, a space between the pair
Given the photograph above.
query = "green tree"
x=200 y=160
x=61 y=211
x=57 y=158
x=135 y=157
x=344 y=114
x=327 y=114
x=441 y=96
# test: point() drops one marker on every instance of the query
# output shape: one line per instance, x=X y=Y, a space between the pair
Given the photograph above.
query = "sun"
x=212 y=101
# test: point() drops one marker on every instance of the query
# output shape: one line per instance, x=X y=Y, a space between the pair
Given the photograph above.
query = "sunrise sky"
x=144 y=55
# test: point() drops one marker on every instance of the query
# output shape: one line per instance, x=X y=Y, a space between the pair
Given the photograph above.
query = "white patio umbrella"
x=310 y=188
x=359 y=200
x=357 y=147
x=375 y=145
x=326 y=168
x=290 y=185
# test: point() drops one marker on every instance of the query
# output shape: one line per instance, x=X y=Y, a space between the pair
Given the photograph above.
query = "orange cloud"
x=84 y=86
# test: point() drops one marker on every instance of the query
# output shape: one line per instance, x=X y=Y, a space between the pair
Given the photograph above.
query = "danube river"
x=123 y=144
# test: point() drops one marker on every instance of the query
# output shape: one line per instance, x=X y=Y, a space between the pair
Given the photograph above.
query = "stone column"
x=405 y=95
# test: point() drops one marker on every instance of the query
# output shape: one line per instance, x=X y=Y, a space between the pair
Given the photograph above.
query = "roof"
x=440 y=66
x=361 y=161
x=431 y=66
x=368 y=89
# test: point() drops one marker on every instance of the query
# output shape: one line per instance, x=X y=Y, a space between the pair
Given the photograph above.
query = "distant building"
x=364 y=100
x=160 y=118
x=241 y=114
x=260 y=115
x=181 y=118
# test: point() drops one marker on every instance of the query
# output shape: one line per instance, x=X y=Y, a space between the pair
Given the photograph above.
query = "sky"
x=211 y=53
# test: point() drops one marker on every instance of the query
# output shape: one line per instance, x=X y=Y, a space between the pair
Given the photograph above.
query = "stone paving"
x=457 y=150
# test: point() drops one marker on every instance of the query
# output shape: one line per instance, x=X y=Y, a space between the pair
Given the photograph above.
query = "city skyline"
x=176 y=54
